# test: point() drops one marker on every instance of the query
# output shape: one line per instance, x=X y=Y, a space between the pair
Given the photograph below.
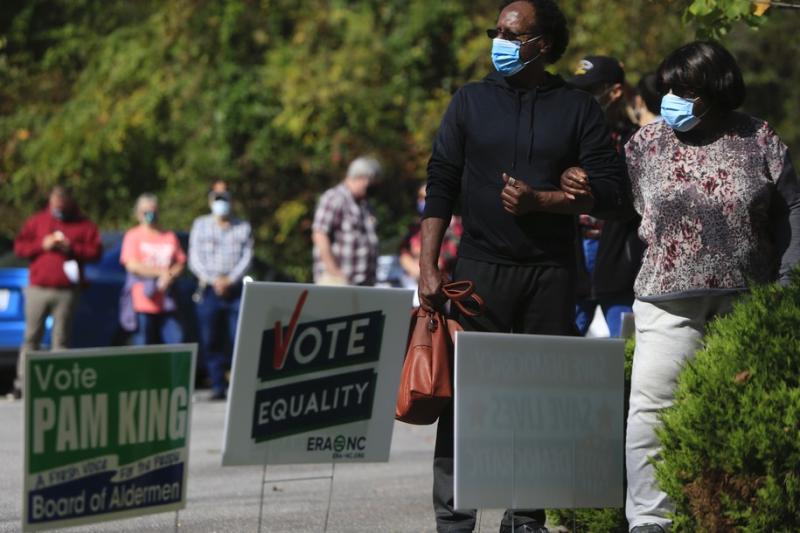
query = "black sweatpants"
x=519 y=299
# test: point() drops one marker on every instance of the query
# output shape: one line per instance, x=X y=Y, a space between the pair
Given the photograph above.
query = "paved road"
x=393 y=497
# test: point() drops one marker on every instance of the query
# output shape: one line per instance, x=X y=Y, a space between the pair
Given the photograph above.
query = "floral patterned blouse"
x=716 y=215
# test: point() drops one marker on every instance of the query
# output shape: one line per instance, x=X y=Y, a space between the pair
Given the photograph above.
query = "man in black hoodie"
x=501 y=149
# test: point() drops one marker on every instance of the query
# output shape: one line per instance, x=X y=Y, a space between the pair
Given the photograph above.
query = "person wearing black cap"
x=609 y=252
x=502 y=148
x=220 y=254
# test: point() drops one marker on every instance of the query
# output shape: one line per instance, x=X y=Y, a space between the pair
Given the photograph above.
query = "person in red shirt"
x=57 y=240
x=153 y=258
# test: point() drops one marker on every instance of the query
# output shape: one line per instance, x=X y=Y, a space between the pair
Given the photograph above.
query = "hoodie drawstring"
x=516 y=131
x=534 y=95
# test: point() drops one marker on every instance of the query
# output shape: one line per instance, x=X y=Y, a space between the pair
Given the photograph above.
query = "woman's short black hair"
x=706 y=69
x=550 y=22
x=648 y=90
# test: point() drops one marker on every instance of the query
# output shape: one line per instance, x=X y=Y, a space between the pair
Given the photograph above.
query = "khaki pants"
x=41 y=302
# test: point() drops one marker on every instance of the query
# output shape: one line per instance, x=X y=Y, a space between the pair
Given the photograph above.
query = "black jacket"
x=619 y=257
x=619 y=254
x=492 y=127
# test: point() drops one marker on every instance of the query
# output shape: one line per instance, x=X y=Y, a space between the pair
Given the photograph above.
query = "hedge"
x=731 y=442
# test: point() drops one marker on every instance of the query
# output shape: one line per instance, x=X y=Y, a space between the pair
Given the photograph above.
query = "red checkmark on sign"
x=282 y=342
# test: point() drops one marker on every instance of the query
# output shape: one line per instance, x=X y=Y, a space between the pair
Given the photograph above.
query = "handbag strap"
x=460 y=291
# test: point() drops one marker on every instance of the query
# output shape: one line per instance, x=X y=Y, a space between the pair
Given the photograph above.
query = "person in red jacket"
x=57 y=240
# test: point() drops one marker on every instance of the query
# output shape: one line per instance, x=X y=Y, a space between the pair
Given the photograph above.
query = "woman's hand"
x=575 y=183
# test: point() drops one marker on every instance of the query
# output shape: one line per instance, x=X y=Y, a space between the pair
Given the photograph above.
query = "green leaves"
x=715 y=18
x=277 y=96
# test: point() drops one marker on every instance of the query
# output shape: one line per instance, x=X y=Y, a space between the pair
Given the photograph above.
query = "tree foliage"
x=276 y=96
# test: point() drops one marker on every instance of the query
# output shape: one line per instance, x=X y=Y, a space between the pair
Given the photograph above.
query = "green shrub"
x=731 y=459
x=598 y=520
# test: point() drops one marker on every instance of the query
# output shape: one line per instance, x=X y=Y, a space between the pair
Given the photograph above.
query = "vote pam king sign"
x=315 y=374
x=106 y=434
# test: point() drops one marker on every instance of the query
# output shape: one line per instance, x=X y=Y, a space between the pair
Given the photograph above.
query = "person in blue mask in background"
x=720 y=206
x=220 y=254
x=501 y=149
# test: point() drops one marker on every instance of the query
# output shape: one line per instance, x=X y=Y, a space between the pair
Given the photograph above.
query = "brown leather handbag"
x=426 y=383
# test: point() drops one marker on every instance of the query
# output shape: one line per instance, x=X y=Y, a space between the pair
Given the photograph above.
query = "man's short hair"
x=213 y=194
x=551 y=23
x=364 y=166
x=61 y=190
x=707 y=69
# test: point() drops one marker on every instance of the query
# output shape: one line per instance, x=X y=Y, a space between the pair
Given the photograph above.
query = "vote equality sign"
x=538 y=421
x=315 y=374
x=106 y=434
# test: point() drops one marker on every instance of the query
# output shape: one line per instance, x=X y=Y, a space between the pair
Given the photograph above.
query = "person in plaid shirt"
x=345 y=241
x=220 y=253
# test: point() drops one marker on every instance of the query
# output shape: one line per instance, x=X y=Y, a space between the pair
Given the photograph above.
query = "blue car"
x=12 y=314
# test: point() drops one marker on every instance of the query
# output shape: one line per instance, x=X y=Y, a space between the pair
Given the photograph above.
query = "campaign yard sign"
x=315 y=374
x=106 y=434
x=538 y=421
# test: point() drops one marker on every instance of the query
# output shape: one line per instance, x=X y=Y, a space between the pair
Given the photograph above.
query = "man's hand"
x=221 y=285
x=49 y=242
x=575 y=183
x=62 y=243
x=431 y=280
x=517 y=197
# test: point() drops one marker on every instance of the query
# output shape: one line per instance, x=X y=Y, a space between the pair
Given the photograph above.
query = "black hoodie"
x=534 y=135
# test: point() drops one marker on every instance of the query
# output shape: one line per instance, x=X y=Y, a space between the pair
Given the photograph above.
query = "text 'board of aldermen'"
x=106 y=434
x=315 y=374
x=538 y=421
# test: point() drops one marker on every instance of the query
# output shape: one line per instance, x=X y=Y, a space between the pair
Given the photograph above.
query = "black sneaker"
x=648 y=528
x=530 y=527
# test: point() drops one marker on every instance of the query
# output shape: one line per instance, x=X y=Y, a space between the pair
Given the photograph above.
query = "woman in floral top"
x=720 y=206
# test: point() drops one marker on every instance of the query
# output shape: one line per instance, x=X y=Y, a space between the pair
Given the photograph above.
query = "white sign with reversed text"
x=538 y=421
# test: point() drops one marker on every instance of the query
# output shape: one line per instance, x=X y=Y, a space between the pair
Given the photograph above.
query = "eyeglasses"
x=494 y=33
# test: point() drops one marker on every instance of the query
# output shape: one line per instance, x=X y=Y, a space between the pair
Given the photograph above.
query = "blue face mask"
x=678 y=113
x=221 y=208
x=150 y=217
x=421 y=206
x=505 y=55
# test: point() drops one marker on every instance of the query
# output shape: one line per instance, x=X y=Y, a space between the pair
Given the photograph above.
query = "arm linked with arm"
x=605 y=168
